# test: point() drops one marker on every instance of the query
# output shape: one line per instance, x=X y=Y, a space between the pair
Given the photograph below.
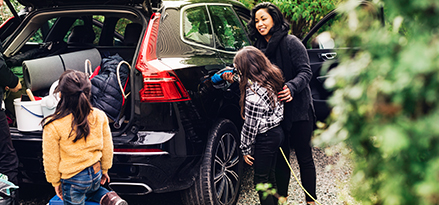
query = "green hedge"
x=386 y=102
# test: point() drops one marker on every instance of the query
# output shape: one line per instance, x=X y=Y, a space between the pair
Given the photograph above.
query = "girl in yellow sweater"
x=77 y=145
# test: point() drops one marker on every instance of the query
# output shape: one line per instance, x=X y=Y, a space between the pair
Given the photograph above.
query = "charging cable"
x=296 y=177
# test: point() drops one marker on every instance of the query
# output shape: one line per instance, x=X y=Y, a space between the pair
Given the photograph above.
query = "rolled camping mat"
x=76 y=60
x=42 y=72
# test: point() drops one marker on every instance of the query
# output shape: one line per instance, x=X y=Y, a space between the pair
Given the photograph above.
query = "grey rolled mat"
x=75 y=60
x=42 y=72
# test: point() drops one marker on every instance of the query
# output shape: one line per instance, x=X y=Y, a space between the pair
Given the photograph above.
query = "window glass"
x=230 y=35
x=78 y=22
x=97 y=27
x=196 y=26
x=121 y=25
x=120 y=29
x=96 y=24
x=244 y=16
x=40 y=35
x=324 y=37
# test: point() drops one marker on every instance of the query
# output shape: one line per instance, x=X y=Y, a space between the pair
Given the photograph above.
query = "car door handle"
x=329 y=56
x=323 y=78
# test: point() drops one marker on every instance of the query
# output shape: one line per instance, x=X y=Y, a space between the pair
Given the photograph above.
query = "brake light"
x=160 y=83
x=162 y=86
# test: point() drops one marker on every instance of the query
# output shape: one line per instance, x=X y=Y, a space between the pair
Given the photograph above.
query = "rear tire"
x=220 y=174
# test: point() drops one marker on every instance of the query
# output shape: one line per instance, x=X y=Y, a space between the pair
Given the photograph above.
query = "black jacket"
x=288 y=53
x=7 y=78
x=106 y=93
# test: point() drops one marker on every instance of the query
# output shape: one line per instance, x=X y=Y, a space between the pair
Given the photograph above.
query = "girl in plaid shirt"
x=261 y=135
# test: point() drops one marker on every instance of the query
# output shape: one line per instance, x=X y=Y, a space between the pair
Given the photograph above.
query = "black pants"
x=266 y=148
x=8 y=156
x=298 y=138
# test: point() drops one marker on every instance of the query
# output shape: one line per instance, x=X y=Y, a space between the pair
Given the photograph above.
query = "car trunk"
x=40 y=69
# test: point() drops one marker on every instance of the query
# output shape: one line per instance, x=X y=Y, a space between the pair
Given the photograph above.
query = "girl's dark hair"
x=275 y=13
x=252 y=65
x=75 y=88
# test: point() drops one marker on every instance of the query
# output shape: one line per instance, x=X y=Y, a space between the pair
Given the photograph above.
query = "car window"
x=230 y=34
x=324 y=37
x=120 y=29
x=121 y=25
x=98 y=19
x=41 y=33
x=244 y=15
x=78 y=22
x=98 y=28
x=196 y=26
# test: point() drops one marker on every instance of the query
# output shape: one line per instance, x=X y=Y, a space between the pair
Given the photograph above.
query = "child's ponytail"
x=75 y=88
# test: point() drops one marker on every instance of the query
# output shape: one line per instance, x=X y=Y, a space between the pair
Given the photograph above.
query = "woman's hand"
x=249 y=159
x=285 y=94
x=104 y=178
x=58 y=191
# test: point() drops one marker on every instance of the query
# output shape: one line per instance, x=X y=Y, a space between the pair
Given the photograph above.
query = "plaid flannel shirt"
x=260 y=116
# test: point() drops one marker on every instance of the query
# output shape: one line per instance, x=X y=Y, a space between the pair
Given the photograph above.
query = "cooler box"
x=57 y=201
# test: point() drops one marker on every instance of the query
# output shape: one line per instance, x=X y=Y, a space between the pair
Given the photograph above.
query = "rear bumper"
x=135 y=173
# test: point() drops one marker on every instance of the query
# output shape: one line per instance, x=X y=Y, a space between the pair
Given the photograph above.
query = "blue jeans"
x=86 y=185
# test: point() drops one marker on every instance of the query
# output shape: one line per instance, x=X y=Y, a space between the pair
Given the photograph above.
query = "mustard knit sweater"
x=63 y=158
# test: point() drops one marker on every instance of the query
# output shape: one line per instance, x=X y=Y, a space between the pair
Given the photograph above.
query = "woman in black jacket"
x=8 y=156
x=269 y=30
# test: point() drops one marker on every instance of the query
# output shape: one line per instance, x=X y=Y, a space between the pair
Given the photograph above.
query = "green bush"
x=386 y=102
x=5 y=12
x=302 y=14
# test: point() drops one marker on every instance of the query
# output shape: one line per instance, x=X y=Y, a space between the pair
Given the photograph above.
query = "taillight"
x=162 y=86
x=160 y=83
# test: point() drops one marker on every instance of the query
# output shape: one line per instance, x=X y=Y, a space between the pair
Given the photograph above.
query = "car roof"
x=53 y=3
x=175 y=3
x=181 y=3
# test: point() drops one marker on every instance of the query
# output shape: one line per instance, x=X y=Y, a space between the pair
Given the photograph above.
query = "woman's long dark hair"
x=275 y=13
x=252 y=65
x=75 y=88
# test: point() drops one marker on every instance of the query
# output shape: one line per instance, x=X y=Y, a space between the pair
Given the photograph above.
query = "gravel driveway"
x=333 y=173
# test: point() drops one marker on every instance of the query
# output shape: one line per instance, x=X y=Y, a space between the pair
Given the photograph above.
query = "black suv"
x=178 y=131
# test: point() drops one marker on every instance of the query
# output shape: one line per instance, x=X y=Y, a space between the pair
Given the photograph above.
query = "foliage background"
x=301 y=14
x=385 y=95
x=386 y=101
x=5 y=13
